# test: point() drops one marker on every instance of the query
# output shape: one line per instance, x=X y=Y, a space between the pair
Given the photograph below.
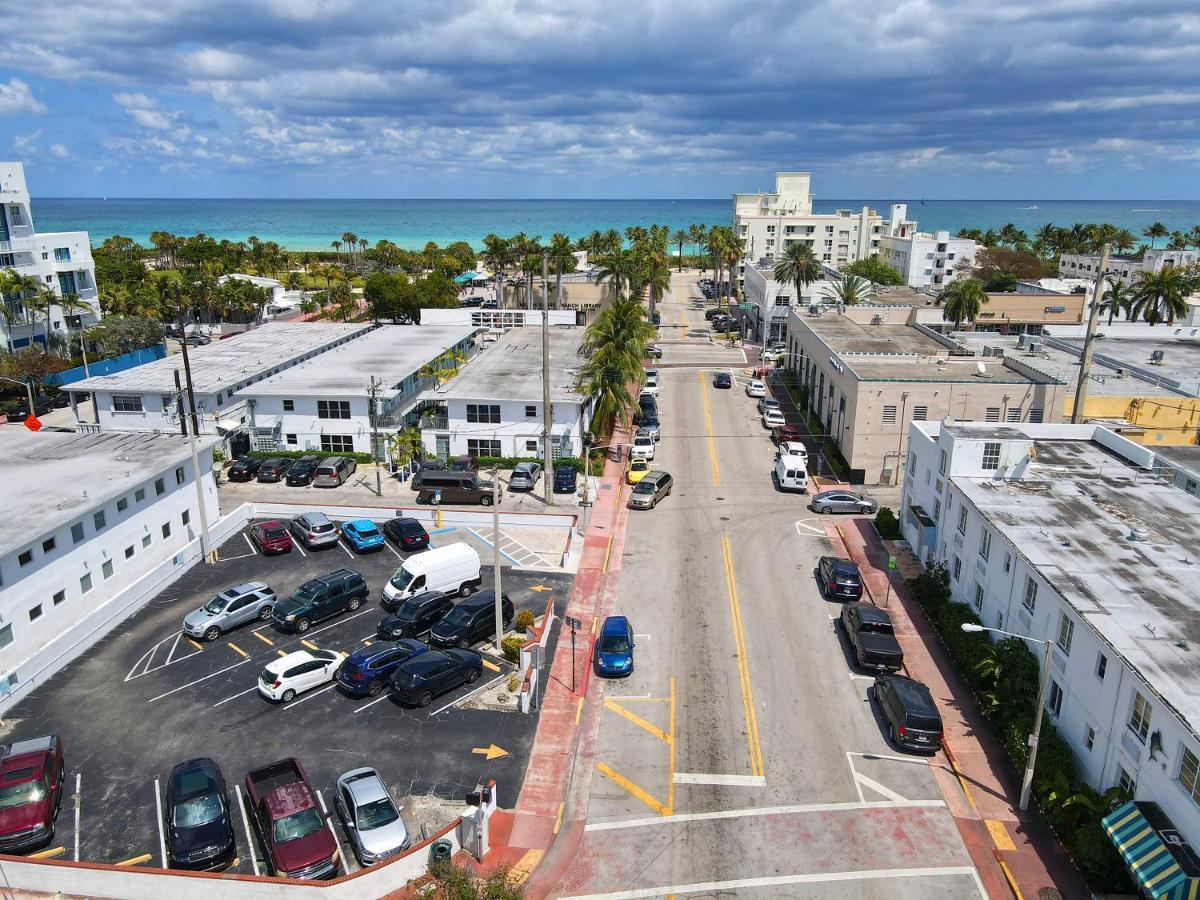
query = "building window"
x=337 y=443
x=333 y=409
x=146 y=540
x=166 y=530
x=991 y=414
x=1035 y=414
x=530 y=411
x=35 y=613
x=126 y=403
x=159 y=487
x=1089 y=739
x=1066 y=634
x=978 y=596
x=985 y=543
x=962 y=520
x=77 y=532
x=1014 y=414
x=62 y=254
x=957 y=568
x=1029 y=601
x=289 y=405
x=139 y=495
x=107 y=569
x=942 y=463
x=991 y=456
x=179 y=475
x=85 y=583
x=291 y=439
x=1125 y=782
x=6 y=637
x=98 y=519
x=48 y=544
x=920 y=413
x=1189 y=774
x=483 y=413
x=889 y=415
x=186 y=518
x=479 y=447
x=531 y=446
x=1007 y=562
x=937 y=510
x=1054 y=704
x=129 y=552
x=25 y=557
x=122 y=504
x=1139 y=717
x=1101 y=666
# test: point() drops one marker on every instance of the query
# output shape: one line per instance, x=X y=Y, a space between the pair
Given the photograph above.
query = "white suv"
x=643 y=447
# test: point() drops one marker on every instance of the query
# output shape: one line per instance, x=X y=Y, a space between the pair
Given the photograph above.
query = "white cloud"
x=26 y=144
x=1066 y=159
x=15 y=97
x=59 y=151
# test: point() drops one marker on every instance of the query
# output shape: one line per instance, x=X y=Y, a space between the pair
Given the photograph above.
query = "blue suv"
x=363 y=535
x=366 y=672
x=614 y=648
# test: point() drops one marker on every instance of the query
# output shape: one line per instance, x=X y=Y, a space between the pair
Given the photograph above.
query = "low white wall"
x=425 y=514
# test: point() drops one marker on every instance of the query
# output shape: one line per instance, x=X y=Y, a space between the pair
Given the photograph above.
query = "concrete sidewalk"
x=1015 y=852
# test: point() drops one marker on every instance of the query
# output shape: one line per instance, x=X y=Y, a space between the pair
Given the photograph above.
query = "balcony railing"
x=435 y=422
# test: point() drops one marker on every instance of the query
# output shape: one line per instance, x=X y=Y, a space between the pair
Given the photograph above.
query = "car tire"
x=303 y=625
x=264 y=614
x=375 y=688
x=425 y=699
x=355 y=603
x=472 y=676
x=485 y=501
x=287 y=696
x=826 y=509
x=212 y=634
x=466 y=590
x=462 y=644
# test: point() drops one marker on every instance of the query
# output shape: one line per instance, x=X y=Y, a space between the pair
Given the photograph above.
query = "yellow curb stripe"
x=608 y=550
x=520 y=873
x=578 y=711
x=194 y=644
x=281 y=652
x=739 y=639
x=135 y=860
x=630 y=788
x=999 y=835
x=491 y=665
x=558 y=818
x=637 y=720
x=262 y=637
x=1012 y=882
x=238 y=650
x=48 y=853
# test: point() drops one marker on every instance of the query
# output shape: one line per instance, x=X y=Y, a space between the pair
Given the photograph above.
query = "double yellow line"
x=743 y=665
x=712 y=446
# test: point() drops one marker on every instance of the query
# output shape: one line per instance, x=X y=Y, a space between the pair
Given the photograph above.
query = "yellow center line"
x=637 y=720
x=671 y=763
x=739 y=640
x=310 y=645
x=238 y=650
x=262 y=637
x=630 y=788
x=712 y=446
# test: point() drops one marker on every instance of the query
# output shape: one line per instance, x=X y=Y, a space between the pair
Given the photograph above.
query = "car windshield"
x=644 y=487
x=368 y=532
x=296 y=826
x=306 y=592
x=402 y=578
x=20 y=794
x=216 y=604
x=198 y=811
x=876 y=628
x=458 y=616
x=274 y=533
x=643 y=440
x=376 y=814
x=614 y=643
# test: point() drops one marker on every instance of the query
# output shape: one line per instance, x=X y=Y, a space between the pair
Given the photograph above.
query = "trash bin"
x=440 y=849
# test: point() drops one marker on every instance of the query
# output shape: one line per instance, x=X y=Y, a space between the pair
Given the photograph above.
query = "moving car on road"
x=198 y=828
x=652 y=488
x=31 y=786
x=408 y=534
x=418 y=680
x=367 y=670
x=840 y=578
x=302 y=471
x=524 y=476
x=472 y=621
x=912 y=717
x=756 y=387
x=271 y=537
x=723 y=380
x=285 y=810
x=565 y=479
x=773 y=418
x=415 y=616
x=273 y=470
x=362 y=535
x=372 y=821
x=297 y=672
x=613 y=656
x=869 y=631
x=841 y=501
x=249 y=602
x=319 y=598
x=314 y=529
x=243 y=469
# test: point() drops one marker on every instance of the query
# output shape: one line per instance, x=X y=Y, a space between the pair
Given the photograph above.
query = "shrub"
x=511 y=647
x=513 y=683
x=524 y=620
x=887 y=524
x=296 y=454
x=454 y=882
x=931 y=589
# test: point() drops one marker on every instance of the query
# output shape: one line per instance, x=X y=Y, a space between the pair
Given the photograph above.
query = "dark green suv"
x=319 y=599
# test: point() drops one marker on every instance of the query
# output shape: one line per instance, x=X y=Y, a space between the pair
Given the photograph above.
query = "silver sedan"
x=371 y=819
x=839 y=501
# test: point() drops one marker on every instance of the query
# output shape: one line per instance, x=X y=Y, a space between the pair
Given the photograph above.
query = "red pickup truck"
x=291 y=822
x=31 y=787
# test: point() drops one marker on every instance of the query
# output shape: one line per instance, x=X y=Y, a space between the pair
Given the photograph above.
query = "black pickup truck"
x=869 y=630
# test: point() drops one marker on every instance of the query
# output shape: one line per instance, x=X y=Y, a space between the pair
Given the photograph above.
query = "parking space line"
x=397 y=553
x=344 y=619
x=346 y=860
x=235 y=696
x=630 y=788
x=162 y=841
x=637 y=720
x=262 y=637
x=468 y=696
x=250 y=848
x=310 y=645
x=174 y=644
x=297 y=545
x=373 y=702
x=347 y=549
x=877 y=787
x=78 y=803
x=136 y=860
x=250 y=544
x=238 y=650
x=315 y=693
x=181 y=687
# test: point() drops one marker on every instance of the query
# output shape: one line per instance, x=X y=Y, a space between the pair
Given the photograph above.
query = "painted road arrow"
x=540 y=587
x=492 y=752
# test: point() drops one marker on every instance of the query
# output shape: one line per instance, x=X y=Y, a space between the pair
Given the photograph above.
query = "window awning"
x=918 y=513
x=1163 y=865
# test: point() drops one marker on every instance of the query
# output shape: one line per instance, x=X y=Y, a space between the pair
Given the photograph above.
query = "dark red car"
x=271 y=537
x=31 y=788
x=782 y=433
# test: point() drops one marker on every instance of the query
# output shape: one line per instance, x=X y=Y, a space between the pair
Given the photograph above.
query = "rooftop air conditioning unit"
x=876 y=319
x=1034 y=346
x=1156 y=357
x=1022 y=340
x=998 y=352
x=1120 y=373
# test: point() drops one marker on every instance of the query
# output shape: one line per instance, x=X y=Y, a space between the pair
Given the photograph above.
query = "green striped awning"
x=1148 y=857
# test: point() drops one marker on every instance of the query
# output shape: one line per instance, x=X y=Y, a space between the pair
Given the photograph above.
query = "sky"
x=655 y=98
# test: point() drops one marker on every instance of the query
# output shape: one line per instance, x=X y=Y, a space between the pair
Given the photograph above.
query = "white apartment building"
x=60 y=261
x=1069 y=534
x=925 y=261
x=493 y=407
x=92 y=523
x=144 y=399
x=324 y=404
x=1124 y=269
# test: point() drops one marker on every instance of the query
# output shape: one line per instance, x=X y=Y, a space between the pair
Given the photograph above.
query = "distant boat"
x=1035 y=206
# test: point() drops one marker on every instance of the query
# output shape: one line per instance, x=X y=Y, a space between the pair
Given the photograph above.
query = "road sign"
x=437 y=497
x=746 y=306
x=572 y=622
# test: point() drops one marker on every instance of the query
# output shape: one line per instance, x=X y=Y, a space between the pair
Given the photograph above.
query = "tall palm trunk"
x=558 y=288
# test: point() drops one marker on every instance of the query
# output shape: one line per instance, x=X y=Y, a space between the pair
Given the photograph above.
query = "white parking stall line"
x=250 y=848
x=234 y=697
x=397 y=553
x=174 y=644
x=349 y=552
x=477 y=690
x=162 y=841
x=249 y=543
x=145 y=664
x=299 y=546
x=346 y=860
x=176 y=690
x=879 y=788
x=315 y=693
x=373 y=702
x=340 y=621
x=811 y=529
x=225 y=559
x=78 y=803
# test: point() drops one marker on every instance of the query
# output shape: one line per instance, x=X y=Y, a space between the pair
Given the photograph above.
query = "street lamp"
x=1027 y=781
x=28 y=385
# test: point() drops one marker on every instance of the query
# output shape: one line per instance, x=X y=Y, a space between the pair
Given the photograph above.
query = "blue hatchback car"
x=614 y=648
x=367 y=671
x=363 y=535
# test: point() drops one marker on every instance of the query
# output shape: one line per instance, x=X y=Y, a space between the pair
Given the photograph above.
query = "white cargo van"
x=453 y=569
x=791 y=472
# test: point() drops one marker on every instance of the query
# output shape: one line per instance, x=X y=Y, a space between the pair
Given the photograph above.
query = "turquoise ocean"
x=313 y=224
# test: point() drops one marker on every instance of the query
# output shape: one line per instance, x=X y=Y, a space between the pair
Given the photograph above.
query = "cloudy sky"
x=655 y=98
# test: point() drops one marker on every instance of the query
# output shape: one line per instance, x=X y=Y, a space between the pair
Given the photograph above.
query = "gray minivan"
x=455 y=487
x=333 y=471
x=652 y=488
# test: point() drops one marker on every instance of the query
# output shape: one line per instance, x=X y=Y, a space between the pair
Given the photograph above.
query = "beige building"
x=867 y=374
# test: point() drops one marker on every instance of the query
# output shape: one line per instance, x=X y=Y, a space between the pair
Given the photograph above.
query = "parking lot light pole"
x=496 y=579
x=1027 y=781
x=28 y=385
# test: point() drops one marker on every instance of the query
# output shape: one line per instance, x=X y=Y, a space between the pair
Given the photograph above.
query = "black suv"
x=303 y=470
x=273 y=470
x=912 y=718
x=839 y=579
x=319 y=598
x=471 y=621
x=414 y=616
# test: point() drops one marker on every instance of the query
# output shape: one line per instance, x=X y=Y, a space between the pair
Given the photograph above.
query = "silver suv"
x=236 y=606
x=314 y=529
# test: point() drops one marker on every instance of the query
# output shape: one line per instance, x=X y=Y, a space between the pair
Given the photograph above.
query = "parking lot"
x=149 y=697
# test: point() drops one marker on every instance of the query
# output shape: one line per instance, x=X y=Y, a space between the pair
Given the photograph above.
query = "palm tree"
x=613 y=347
x=1117 y=298
x=1154 y=232
x=1178 y=241
x=561 y=256
x=697 y=235
x=1161 y=295
x=798 y=266
x=655 y=274
x=962 y=300
x=1124 y=240
x=497 y=253
x=618 y=268
x=350 y=239
x=853 y=289
x=1193 y=237
x=337 y=248
x=678 y=238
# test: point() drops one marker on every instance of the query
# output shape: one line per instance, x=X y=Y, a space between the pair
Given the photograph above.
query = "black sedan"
x=421 y=678
x=244 y=469
x=302 y=471
x=273 y=469
x=198 y=828
x=723 y=380
x=407 y=534
x=565 y=479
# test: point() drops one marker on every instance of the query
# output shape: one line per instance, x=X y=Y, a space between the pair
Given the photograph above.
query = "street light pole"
x=28 y=391
x=547 y=408
x=496 y=579
x=373 y=395
x=1035 y=735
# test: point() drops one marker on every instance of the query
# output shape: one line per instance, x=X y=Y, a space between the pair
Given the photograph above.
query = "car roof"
x=422 y=662
x=914 y=694
x=844 y=565
x=615 y=625
x=316 y=518
x=283 y=663
x=483 y=598
x=361 y=524
x=524 y=466
x=365 y=786
x=248 y=587
x=364 y=654
x=269 y=523
x=869 y=612
x=194 y=776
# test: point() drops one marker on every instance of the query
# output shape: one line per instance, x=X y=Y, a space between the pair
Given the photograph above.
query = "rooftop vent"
x=877 y=319
x=1120 y=373
x=981 y=370
x=1034 y=346
x=1140 y=535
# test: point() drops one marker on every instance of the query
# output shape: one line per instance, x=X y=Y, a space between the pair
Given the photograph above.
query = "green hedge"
x=887 y=524
x=296 y=454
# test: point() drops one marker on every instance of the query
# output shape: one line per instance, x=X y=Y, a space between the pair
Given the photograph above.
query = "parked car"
x=415 y=616
x=653 y=352
x=653 y=487
x=454 y=569
x=652 y=378
x=464 y=463
x=366 y=671
x=613 y=657
x=638 y=469
x=31 y=789
x=197 y=339
x=648 y=391
x=787 y=434
x=418 y=680
x=566 y=479
x=457 y=487
x=471 y=621
x=372 y=821
x=756 y=388
x=648 y=406
x=912 y=717
x=314 y=529
x=273 y=469
x=197 y=823
x=655 y=318
x=773 y=418
x=243 y=469
x=42 y=404
x=297 y=672
x=723 y=380
x=406 y=533
x=791 y=472
x=792 y=448
x=61 y=400
x=363 y=535
x=333 y=471
x=286 y=813
x=319 y=598
x=302 y=471
x=765 y=403
x=249 y=602
x=649 y=425
x=524 y=476
x=642 y=447
x=271 y=537
x=427 y=465
x=838 y=500
x=839 y=578
x=869 y=631
x=714 y=313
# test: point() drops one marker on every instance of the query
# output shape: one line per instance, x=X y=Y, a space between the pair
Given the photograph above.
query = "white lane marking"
x=712 y=887
x=399 y=555
x=854 y=675
x=646 y=636
x=197 y=681
x=911 y=760
x=299 y=546
x=315 y=693
x=234 y=697
x=78 y=804
x=339 y=622
x=239 y=556
x=877 y=787
x=798 y=809
x=174 y=644
x=854 y=777
x=470 y=695
x=373 y=702
x=145 y=660
x=249 y=543
x=812 y=529
x=726 y=780
x=251 y=850
x=347 y=549
x=329 y=821
x=162 y=841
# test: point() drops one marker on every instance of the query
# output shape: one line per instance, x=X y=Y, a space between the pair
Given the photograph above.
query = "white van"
x=791 y=473
x=453 y=569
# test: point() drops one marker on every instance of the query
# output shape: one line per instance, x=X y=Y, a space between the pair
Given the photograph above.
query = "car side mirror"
x=350 y=824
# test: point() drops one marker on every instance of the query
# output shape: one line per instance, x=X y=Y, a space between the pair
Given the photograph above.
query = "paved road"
x=743 y=752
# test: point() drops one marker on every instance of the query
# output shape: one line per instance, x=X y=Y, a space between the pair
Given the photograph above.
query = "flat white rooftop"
x=511 y=369
x=230 y=362
x=52 y=478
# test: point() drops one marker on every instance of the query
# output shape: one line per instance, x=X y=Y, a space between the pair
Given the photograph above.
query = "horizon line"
x=625 y=199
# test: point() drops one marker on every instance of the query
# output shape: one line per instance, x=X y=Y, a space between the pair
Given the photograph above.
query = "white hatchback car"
x=642 y=447
x=772 y=417
x=298 y=672
x=755 y=388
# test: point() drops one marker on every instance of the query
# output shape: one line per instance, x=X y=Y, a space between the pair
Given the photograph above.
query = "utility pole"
x=183 y=429
x=1085 y=359
x=496 y=580
x=373 y=395
x=547 y=409
x=205 y=543
x=83 y=353
x=187 y=366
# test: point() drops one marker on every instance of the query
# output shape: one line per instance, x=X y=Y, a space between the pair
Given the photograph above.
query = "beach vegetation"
x=962 y=300
x=874 y=271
